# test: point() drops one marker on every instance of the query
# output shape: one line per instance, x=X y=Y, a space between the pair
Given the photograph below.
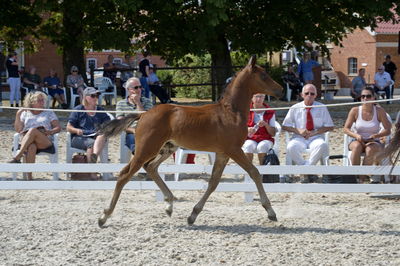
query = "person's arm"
x=18 y=123
x=55 y=127
x=387 y=126
x=73 y=130
x=351 y=118
x=269 y=126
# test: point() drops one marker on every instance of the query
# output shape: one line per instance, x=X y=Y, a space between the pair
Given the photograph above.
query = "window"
x=352 y=66
x=91 y=62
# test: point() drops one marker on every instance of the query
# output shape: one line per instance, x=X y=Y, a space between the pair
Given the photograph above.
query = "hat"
x=74 y=68
x=90 y=91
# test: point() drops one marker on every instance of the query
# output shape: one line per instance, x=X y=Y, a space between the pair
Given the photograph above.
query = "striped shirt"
x=124 y=106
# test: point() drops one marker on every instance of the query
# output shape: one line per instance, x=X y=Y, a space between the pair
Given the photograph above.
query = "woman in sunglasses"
x=84 y=125
x=366 y=124
x=75 y=80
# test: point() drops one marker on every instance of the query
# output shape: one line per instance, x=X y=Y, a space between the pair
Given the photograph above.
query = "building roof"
x=387 y=27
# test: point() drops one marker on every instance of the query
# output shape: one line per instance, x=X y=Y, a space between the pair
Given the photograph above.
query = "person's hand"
x=251 y=131
x=262 y=123
x=303 y=132
x=79 y=132
x=135 y=98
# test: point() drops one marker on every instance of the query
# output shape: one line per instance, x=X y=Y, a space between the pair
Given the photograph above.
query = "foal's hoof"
x=273 y=218
x=101 y=222
x=190 y=220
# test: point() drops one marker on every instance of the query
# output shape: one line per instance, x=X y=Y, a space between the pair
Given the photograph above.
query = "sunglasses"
x=74 y=70
x=309 y=93
x=94 y=95
x=367 y=96
x=136 y=87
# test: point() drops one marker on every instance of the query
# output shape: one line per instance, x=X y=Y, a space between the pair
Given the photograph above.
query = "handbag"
x=271 y=159
x=82 y=158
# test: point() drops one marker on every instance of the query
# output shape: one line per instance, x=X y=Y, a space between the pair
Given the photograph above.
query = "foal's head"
x=260 y=81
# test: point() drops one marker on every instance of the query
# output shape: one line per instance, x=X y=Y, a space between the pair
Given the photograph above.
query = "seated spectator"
x=261 y=129
x=290 y=77
x=36 y=128
x=366 y=132
x=76 y=81
x=155 y=86
x=357 y=85
x=134 y=102
x=53 y=85
x=382 y=81
x=308 y=125
x=31 y=80
x=84 y=125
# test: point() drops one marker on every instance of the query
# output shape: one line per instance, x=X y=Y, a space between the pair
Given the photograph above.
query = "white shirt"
x=382 y=79
x=260 y=116
x=297 y=117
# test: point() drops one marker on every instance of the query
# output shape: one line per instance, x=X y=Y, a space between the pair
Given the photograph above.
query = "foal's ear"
x=252 y=61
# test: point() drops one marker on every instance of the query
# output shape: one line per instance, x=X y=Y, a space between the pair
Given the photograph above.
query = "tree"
x=175 y=28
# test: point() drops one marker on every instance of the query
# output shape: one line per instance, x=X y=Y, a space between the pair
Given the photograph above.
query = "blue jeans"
x=130 y=141
x=146 y=87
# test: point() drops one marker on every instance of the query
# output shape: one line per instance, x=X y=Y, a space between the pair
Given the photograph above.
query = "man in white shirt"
x=308 y=124
x=382 y=81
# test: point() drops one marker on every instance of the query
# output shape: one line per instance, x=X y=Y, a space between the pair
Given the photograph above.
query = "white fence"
x=248 y=187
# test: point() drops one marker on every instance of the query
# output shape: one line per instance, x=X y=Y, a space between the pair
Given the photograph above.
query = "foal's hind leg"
x=151 y=168
x=240 y=158
x=219 y=165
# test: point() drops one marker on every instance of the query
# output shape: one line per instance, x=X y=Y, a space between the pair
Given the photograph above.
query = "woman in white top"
x=367 y=120
x=36 y=128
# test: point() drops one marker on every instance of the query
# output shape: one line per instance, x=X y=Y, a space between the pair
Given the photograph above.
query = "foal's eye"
x=263 y=76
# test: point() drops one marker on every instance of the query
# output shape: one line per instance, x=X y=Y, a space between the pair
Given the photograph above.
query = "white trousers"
x=15 y=85
x=297 y=146
x=251 y=146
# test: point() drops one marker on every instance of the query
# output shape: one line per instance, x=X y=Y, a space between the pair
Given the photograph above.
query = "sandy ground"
x=60 y=228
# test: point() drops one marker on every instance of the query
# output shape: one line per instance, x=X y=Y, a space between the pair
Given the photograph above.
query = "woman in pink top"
x=366 y=131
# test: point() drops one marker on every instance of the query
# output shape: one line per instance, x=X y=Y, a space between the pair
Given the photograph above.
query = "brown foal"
x=219 y=128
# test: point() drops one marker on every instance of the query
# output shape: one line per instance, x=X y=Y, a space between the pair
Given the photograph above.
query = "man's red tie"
x=310 y=122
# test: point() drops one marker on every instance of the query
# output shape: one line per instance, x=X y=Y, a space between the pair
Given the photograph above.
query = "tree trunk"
x=221 y=59
x=72 y=45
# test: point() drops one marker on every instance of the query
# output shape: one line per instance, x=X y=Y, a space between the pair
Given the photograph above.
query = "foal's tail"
x=392 y=150
x=116 y=126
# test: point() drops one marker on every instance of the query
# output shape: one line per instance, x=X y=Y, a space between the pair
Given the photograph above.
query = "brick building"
x=366 y=49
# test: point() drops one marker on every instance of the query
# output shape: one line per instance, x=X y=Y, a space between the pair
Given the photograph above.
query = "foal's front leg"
x=240 y=158
x=219 y=166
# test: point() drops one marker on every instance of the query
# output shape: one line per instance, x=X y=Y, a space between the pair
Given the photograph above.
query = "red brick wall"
x=361 y=45
x=44 y=59
x=102 y=58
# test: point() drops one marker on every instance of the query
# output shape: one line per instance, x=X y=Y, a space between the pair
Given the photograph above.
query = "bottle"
x=255 y=127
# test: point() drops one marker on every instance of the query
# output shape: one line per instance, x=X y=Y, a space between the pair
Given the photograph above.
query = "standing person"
x=84 y=125
x=390 y=68
x=110 y=71
x=261 y=129
x=308 y=125
x=357 y=85
x=155 y=86
x=36 y=127
x=53 y=84
x=366 y=132
x=382 y=82
x=126 y=74
x=304 y=70
x=75 y=80
x=134 y=102
x=13 y=79
x=144 y=68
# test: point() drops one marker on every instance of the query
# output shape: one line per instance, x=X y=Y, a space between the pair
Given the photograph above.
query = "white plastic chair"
x=288 y=92
x=347 y=153
x=289 y=160
x=382 y=93
x=53 y=158
x=102 y=84
x=124 y=152
x=179 y=157
x=73 y=96
x=71 y=150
